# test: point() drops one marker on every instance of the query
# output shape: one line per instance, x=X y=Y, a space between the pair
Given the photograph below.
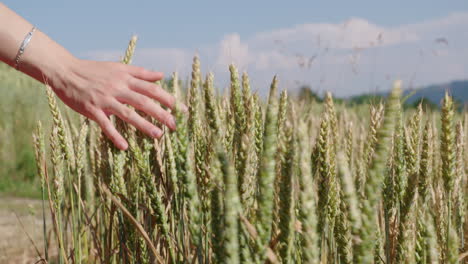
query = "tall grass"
x=21 y=104
x=245 y=181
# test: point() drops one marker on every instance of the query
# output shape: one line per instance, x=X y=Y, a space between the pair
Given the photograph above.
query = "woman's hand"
x=94 y=89
x=99 y=89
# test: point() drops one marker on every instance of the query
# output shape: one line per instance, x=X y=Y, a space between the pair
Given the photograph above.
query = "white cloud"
x=351 y=34
x=346 y=58
x=232 y=50
x=274 y=60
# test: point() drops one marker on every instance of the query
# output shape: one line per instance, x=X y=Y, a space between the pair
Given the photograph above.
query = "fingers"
x=144 y=74
x=146 y=105
x=109 y=130
x=130 y=116
x=156 y=92
x=142 y=83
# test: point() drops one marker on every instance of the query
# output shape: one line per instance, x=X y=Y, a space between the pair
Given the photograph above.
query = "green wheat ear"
x=210 y=104
x=232 y=208
x=448 y=143
x=63 y=137
x=307 y=211
x=460 y=182
x=323 y=170
x=425 y=168
x=374 y=179
x=347 y=212
x=279 y=156
x=248 y=164
x=217 y=209
x=448 y=157
x=266 y=172
x=286 y=200
x=237 y=106
x=39 y=151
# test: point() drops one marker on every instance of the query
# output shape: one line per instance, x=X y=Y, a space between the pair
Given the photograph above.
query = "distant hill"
x=435 y=93
x=432 y=94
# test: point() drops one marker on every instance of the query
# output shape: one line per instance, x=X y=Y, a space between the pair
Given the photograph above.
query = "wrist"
x=45 y=60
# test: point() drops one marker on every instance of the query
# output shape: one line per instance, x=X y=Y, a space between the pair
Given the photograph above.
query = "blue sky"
x=356 y=46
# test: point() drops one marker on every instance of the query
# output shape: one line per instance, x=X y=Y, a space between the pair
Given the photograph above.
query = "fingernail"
x=184 y=108
x=156 y=133
x=172 y=123
x=123 y=145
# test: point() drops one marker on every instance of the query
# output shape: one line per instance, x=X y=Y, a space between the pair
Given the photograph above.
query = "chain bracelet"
x=23 y=46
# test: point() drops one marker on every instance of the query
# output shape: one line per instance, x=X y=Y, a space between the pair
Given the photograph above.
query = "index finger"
x=156 y=92
x=144 y=74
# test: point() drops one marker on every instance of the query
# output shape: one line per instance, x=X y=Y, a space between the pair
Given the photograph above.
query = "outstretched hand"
x=99 y=89
x=94 y=89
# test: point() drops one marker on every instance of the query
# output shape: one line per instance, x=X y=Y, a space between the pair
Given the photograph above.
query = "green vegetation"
x=22 y=103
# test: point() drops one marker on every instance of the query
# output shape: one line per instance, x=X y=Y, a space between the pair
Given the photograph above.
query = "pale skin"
x=92 y=88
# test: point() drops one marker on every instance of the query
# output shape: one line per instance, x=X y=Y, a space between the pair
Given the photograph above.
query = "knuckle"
x=135 y=71
x=113 y=87
x=155 y=93
x=159 y=90
x=166 y=97
x=148 y=127
x=107 y=104
x=168 y=119
x=142 y=103
x=127 y=112
x=120 y=66
x=123 y=77
x=88 y=107
x=140 y=70
x=171 y=100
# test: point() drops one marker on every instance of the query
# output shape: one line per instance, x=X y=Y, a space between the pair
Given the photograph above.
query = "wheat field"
x=246 y=180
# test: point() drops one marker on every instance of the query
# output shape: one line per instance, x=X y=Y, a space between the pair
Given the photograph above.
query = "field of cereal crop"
x=247 y=180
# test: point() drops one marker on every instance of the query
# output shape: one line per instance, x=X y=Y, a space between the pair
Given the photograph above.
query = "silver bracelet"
x=23 y=46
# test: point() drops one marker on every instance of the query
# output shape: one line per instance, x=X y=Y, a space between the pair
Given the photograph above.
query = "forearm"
x=42 y=59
